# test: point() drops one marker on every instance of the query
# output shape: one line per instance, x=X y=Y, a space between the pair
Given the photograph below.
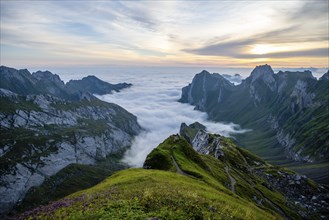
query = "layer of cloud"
x=237 y=49
x=153 y=99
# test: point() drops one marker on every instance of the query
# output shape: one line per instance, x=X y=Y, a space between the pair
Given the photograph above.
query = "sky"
x=164 y=33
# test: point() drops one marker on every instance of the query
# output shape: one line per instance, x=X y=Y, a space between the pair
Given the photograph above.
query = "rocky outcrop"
x=189 y=132
x=201 y=141
x=286 y=103
x=204 y=88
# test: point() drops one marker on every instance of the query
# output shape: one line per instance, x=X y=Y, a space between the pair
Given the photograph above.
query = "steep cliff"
x=42 y=134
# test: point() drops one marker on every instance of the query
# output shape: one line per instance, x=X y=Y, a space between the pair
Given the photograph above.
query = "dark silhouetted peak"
x=48 y=76
x=23 y=82
x=198 y=126
x=325 y=76
x=203 y=83
x=91 y=78
x=261 y=71
x=94 y=85
x=204 y=72
x=183 y=126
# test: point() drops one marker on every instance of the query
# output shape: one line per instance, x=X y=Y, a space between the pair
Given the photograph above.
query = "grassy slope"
x=140 y=194
x=212 y=171
x=203 y=193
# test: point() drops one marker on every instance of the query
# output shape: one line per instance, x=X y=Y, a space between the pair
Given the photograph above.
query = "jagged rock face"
x=189 y=132
x=286 y=103
x=204 y=88
x=43 y=133
x=206 y=143
x=201 y=141
x=264 y=73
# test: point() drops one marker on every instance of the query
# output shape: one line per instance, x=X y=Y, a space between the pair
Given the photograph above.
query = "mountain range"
x=44 y=82
x=287 y=112
x=60 y=150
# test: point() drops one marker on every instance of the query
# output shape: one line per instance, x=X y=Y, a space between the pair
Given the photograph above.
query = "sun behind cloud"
x=262 y=49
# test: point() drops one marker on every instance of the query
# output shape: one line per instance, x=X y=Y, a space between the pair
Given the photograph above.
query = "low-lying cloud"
x=153 y=99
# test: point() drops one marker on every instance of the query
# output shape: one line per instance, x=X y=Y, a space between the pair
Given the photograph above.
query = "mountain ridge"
x=286 y=111
x=45 y=82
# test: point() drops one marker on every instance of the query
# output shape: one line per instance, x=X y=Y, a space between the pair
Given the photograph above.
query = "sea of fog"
x=153 y=98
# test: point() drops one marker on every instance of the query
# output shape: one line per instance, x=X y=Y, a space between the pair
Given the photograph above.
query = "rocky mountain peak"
x=264 y=74
x=204 y=72
x=262 y=71
x=46 y=75
x=23 y=82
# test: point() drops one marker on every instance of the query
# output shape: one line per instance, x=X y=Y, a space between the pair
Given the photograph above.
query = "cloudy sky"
x=164 y=33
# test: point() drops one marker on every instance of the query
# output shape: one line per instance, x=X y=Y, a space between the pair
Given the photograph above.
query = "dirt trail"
x=231 y=179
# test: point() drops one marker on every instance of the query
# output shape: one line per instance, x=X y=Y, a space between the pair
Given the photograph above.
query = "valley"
x=53 y=123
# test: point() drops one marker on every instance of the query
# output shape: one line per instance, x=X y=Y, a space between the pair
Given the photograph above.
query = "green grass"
x=142 y=194
x=211 y=171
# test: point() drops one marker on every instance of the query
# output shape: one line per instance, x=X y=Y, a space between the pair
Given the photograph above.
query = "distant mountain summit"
x=41 y=82
x=94 y=85
x=287 y=110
